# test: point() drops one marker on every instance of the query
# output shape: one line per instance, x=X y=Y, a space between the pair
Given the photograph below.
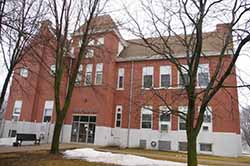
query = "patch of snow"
x=92 y=155
x=7 y=141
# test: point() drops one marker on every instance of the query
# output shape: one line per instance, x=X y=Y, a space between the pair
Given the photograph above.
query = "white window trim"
x=45 y=107
x=91 y=42
x=142 y=109
x=79 y=43
x=101 y=64
x=197 y=76
x=143 y=78
x=161 y=108
x=123 y=75
x=178 y=76
x=170 y=73
x=92 y=51
x=53 y=70
x=179 y=118
x=116 y=111
x=17 y=104
x=209 y=125
x=80 y=71
x=205 y=152
x=98 y=41
x=90 y=71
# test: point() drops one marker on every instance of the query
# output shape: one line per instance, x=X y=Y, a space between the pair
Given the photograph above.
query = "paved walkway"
x=23 y=148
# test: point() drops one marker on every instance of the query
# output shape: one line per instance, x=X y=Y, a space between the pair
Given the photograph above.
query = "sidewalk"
x=24 y=148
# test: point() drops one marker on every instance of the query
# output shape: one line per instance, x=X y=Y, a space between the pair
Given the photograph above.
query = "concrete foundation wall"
x=223 y=144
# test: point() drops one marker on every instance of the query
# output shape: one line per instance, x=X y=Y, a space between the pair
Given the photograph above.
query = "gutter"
x=130 y=101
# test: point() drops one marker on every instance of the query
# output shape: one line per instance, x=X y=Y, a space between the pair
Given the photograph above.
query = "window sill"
x=119 y=89
x=206 y=152
x=181 y=130
x=146 y=128
x=147 y=88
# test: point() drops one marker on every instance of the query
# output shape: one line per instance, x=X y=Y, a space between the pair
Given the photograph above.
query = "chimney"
x=223 y=28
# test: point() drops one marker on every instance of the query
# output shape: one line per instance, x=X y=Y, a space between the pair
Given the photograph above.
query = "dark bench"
x=20 y=137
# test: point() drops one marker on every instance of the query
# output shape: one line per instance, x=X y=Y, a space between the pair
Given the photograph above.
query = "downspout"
x=67 y=87
x=130 y=101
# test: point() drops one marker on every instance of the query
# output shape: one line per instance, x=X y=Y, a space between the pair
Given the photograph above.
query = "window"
x=100 y=41
x=147 y=77
x=17 y=110
x=205 y=147
x=53 y=69
x=99 y=74
x=120 y=80
x=88 y=74
x=12 y=133
x=207 y=120
x=184 y=81
x=182 y=122
x=182 y=146
x=165 y=76
x=146 y=117
x=24 y=72
x=79 y=75
x=90 y=53
x=118 y=116
x=203 y=75
x=165 y=120
x=91 y=42
x=48 y=110
x=72 y=51
x=80 y=43
x=207 y=115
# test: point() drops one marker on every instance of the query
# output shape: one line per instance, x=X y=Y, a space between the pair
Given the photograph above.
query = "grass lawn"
x=181 y=157
x=41 y=158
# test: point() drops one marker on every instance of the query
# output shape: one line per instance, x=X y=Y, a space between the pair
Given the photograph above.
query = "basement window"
x=205 y=147
x=182 y=146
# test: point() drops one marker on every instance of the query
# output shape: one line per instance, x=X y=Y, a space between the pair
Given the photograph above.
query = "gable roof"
x=98 y=24
x=138 y=50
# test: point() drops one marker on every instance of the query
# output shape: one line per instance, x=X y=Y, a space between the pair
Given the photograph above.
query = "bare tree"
x=19 y=23
x=245 y=126
x=68 y=15
x=169 y=19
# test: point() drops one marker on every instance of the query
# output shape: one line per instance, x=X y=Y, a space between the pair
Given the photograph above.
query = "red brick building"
x=113 y=100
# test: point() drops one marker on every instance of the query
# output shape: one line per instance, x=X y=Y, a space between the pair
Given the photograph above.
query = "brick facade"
x=101 y=100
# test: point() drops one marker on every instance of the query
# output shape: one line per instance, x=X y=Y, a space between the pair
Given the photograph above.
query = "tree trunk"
x=5 y=86
x=56 y=134
x=192 y=153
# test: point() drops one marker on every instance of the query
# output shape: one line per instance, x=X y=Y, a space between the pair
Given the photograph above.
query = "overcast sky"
x=115 y=9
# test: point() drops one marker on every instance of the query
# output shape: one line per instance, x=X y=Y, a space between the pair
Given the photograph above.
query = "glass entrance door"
x=83 y=129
